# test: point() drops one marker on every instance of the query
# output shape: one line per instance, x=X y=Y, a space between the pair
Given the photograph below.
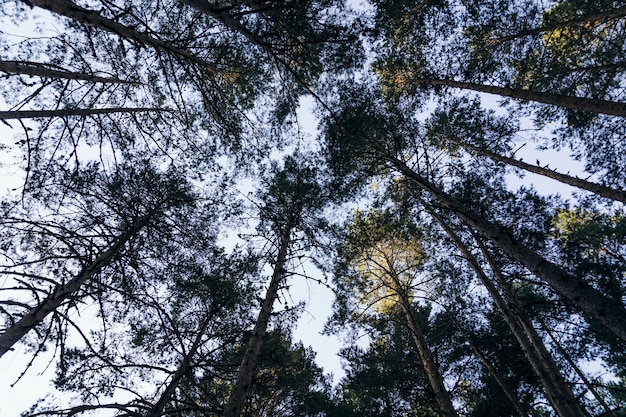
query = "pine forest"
x=447 y=176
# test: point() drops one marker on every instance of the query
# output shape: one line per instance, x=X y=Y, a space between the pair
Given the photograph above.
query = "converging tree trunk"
x=609 y=312
x=442 y=397
x=33 y=114
x=557 y=390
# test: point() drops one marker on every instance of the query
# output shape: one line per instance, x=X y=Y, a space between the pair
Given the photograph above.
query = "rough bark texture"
x=43 y=70
x=93 y=18
x=613 y=108
x=601 y=190
x=558 y=392
x=33 y=114
x=444 y=403
x=247 y=369
x=609 y=312
x=63 y=292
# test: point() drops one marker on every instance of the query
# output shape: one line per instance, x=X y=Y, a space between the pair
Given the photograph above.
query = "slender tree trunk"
x=607 y=410
x=492 y=370
x=43 y=70
x=63 y=292
x=247 y=369
x=558 y=392
x=604 y=16
x=609 y=312
x=601 y=190
x=93 y=18
x=33 y=114
x=444 y=403
x=613 y=108
x=183 y=369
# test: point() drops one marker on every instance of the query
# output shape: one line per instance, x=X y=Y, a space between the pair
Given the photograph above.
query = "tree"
x=291 y=198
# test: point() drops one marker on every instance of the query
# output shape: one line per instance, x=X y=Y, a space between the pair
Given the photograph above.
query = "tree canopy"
x=458 y=183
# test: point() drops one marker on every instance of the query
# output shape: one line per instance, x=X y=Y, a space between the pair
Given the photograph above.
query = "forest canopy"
x=457 y=184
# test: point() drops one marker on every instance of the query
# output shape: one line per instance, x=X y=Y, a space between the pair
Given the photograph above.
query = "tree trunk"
x=444 y=403
x=63 y=292
x=592 y=105
x=492 y=370
x=558 y=392
x=607 y=410
x=43 y=70
x=609 y=312
x=601 y=190
x=183 y=368
x=93 y=18
x=247 y=369
x=604 y=16
x=33 y=114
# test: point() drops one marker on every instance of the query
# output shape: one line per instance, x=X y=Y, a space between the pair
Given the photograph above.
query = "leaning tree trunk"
x=613 y=108
x=599 y=189
x=64 y=292
x=182 y=370
x=93 y=18
x=442 y=397
x=247 y=369
x=32 y=114
x=491 y=369
x=609 y=312
x=43 y=70
x=558 y=392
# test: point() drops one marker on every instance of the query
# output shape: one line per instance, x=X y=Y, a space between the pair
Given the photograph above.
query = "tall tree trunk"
x=247 y=369
x=64 y=292
x=601 y=190
x=607 y=410
x=33 y=114
x=612 y=14
x=93 y=18
x=613 y=108
x=609 y=312
x=43 y=70
x=558 y=392
x=491 y=369
x=183 y=369
x=444 y=403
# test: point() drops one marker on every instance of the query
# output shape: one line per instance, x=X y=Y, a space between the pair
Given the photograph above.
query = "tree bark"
x=43 y=70
x=601 y=190
x=247 y=369
x=613 y=108
x=63 y=292
x=604 y=16
x=609 y=312
x=558 y=392
x=33 y=114
x=444 y=403
x=93 y=18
